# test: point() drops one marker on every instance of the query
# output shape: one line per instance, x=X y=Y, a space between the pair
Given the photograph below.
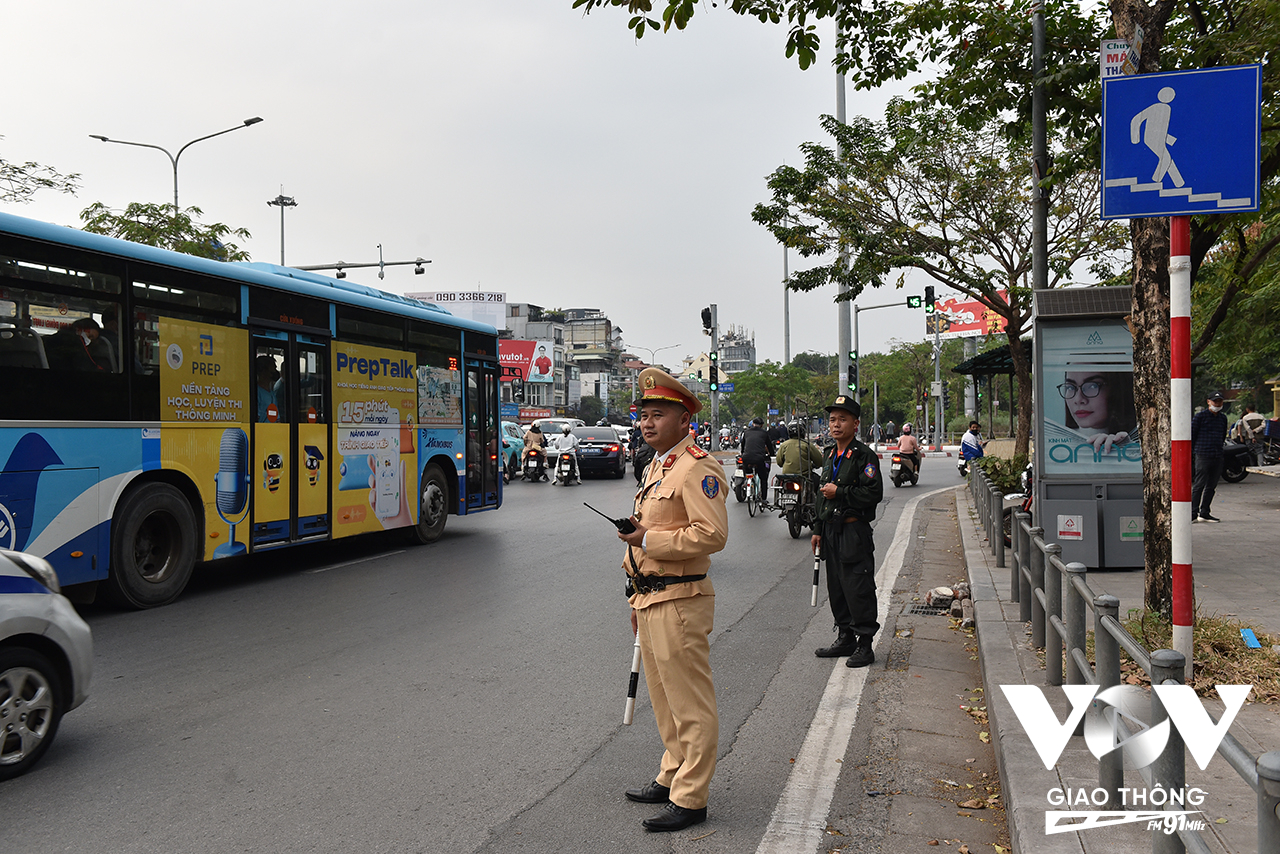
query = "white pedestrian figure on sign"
x=1156 y=136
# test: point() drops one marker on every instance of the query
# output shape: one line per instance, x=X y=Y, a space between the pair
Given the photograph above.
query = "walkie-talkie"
x=624 y=526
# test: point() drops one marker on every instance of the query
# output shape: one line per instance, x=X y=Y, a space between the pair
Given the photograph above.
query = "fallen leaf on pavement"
x=973 y=804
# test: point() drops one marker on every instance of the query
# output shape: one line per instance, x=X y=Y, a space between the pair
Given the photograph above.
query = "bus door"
x=291 y=451
x=483 y=439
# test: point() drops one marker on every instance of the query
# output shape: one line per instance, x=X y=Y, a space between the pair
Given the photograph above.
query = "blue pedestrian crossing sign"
x=1181 y=142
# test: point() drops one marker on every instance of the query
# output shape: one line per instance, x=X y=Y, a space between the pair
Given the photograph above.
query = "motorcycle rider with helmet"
x=909 y=445
x=566 y=442
x=798 y=456
x=533 y=438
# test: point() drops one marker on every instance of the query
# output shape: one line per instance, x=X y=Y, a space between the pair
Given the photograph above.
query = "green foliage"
x=20 y=181
x=1004 y=474
x=769 y=384
x=156 y=225
x=590 y=408
x=1245 y=347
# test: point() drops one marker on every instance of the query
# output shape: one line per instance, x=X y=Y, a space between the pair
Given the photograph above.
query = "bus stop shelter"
x=992 y=364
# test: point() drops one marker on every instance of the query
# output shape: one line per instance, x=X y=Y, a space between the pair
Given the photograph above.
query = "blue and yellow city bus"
x=161 y=409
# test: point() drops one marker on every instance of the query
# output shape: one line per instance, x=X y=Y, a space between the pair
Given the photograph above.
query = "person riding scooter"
x=799 y=456
x=970 y=447
x=909 y=445
x=533 y=438
x=566 y=442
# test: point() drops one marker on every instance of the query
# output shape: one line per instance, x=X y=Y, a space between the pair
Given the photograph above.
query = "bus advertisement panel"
x=375 y=396
x=204 y=412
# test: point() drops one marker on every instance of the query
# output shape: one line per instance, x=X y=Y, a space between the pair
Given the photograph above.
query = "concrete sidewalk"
x=1234 y=576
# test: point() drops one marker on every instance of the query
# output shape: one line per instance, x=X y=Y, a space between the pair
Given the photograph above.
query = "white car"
x=624 y=436
x=46 y=660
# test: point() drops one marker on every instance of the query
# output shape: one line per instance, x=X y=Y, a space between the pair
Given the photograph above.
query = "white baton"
x=817 y=557
x=631 y=685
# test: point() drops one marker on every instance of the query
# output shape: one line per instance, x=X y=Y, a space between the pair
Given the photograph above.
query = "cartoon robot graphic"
x=272 y=467
x=314 y=458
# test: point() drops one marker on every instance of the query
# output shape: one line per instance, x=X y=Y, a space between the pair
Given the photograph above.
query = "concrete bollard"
x=997 y=513
x=1269 y=801
x=1073 y=608
x=1106 y=651
x=1169 y=770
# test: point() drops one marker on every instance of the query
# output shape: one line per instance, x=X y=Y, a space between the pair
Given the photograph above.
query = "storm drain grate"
x=926 y=610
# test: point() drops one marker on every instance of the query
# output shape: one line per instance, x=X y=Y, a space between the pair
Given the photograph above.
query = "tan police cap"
x=657 y=384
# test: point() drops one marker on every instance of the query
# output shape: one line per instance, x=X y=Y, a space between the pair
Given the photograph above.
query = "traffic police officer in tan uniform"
x=846 y=504
x=680 y=521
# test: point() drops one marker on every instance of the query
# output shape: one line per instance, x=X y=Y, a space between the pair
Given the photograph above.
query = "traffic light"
x=853 y=371
x=946 y=398
x=706 y=318
x=928 y=299
x=913 y=302
x=715 y=370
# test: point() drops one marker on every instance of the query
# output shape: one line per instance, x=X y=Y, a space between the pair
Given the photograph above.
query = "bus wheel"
x=434 y=509
x=153 y=546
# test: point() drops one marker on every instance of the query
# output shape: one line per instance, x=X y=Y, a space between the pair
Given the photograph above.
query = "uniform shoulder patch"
x=696 y=452
x=870 y=470
x=711 y=485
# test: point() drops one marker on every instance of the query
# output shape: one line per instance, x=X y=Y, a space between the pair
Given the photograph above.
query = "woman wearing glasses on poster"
x=1099 y=406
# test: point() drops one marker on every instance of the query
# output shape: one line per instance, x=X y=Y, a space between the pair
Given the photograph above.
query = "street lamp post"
x=282 y=201
x=653 y=354
x=173 y=158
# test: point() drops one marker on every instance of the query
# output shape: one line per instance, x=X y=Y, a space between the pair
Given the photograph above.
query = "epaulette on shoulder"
x=696 y=452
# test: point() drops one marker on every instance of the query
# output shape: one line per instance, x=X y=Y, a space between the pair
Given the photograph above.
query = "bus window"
x=62 y=355
x=312 y=382
x=269 y=388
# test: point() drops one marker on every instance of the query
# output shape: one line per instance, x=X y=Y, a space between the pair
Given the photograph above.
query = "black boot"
x=845 y=644
x=862 y=656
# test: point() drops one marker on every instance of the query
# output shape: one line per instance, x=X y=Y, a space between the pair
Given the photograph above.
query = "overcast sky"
x=520 y=146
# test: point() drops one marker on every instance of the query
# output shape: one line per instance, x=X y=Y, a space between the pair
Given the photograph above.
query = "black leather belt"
x=655 y=583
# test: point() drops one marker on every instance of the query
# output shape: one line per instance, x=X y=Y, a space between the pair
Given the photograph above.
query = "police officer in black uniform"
x=851 y=489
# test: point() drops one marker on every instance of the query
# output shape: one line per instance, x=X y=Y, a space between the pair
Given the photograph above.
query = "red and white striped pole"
x=1180 y=431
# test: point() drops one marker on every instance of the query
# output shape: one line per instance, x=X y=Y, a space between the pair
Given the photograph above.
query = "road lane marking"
x=354 y=562
x=799 y=820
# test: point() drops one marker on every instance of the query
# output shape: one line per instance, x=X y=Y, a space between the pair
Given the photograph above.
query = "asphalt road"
x=467 y=696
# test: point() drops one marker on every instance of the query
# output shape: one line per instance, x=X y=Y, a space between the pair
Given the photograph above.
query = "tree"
x=590 y=408
x=979 y=55
x=920 y=190
x=769 y=384
x=20 y=181
x=156 y=225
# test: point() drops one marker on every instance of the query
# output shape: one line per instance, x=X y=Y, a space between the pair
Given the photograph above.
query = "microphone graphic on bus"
x=232 y=486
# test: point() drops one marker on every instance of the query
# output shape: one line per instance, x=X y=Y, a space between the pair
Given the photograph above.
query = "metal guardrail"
x=1055 y=598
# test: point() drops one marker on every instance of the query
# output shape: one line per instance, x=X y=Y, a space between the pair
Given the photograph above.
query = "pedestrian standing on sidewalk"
x=679 y=521
x=846 y=504
x=1208 y=432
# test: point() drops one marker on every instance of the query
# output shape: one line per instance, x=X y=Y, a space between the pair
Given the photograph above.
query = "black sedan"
x=600 y=451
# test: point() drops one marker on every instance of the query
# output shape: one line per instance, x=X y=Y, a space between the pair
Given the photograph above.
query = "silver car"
x=46 y=660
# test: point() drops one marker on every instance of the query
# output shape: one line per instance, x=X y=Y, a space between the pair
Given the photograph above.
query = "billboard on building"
x=960 y=317
x=531 y=361
x=480 y=306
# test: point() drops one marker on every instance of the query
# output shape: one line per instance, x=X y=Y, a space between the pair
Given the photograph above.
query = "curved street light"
x=653 y=354
x=173 y=158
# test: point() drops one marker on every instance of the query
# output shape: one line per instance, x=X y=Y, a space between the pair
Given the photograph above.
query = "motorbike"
x=1236 y=459
x=739 y=481
x=1019 y=501
x=535 y=465
x=795 y=496
x=564 y=468
x=902 y=468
